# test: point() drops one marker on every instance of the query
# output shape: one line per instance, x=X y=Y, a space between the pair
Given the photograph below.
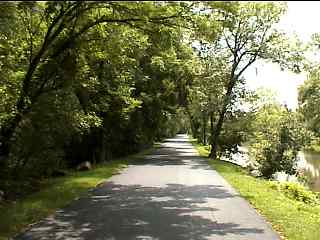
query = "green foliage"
x=245 y=35
x=234 y=132
x=297 y=192
x=55 y=193
x=276 y=140
x=42 y=135
x=93 y=81
x=308 y=98
x=83 y=81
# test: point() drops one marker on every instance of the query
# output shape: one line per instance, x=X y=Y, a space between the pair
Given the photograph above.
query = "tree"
x=309 y=93
x=206 y=95
x=64 y=27
x=90 y=80
x=275 y=139
x=248 y=35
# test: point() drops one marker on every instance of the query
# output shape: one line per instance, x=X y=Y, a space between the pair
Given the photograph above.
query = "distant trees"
x=308 y=96
x=309 y=100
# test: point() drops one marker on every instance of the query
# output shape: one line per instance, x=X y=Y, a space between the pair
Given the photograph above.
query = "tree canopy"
x=90 y=81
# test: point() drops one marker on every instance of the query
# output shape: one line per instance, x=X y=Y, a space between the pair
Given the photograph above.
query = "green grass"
x=56 y=193
x=313 y=148
x=294 y=220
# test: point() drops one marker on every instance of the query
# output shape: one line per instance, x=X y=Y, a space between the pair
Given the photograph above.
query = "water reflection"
x=241 y=158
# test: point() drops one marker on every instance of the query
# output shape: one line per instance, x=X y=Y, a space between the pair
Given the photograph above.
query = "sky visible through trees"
x=300 y=18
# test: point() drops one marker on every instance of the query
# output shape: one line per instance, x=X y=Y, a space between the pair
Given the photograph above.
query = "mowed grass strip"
x=294 y=220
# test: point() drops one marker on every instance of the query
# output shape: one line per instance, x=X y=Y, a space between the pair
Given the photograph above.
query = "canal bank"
x=292 y=217
x=308 y=163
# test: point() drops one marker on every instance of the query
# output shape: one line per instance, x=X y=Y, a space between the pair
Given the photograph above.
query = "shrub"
x=300 y=193
x=276 y=141
x=297 y=192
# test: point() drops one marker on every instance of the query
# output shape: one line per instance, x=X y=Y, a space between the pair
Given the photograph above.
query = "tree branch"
x=255 y=54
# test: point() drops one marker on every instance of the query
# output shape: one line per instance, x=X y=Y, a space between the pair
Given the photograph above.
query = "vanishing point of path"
x=172 y=195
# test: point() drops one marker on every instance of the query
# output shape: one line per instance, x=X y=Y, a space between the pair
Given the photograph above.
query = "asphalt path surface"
x=172 y=194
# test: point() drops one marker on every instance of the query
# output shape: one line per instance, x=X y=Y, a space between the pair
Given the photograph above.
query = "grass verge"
x=293 y=219
x=313 y=148
x=56 y=193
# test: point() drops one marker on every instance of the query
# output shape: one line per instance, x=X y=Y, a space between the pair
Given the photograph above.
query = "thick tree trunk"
x=216 y=134
x=217 y=130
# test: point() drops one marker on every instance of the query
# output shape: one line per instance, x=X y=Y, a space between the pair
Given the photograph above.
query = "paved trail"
x=172 y=195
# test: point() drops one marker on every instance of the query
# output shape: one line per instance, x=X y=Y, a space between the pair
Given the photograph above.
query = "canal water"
x=309 y=162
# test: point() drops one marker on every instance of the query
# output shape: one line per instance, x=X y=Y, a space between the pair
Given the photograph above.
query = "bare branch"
x=227 y=42
x=255 y=54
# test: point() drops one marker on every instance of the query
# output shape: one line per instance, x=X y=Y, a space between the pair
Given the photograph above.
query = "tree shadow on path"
x=120 y=212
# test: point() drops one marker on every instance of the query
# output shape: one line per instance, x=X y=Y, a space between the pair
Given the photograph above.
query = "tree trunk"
x=103 y=147
x=190 y=120
x=211 y=126
x=6 y=134
x=204 y=129
x=216 y=134
x=217 y=130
